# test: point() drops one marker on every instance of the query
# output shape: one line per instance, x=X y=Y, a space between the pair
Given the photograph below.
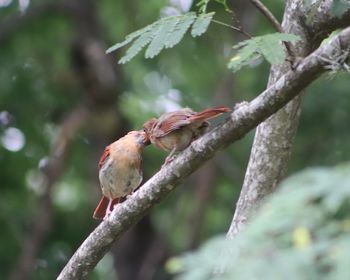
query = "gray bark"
x=274 y=138
x=241 y=121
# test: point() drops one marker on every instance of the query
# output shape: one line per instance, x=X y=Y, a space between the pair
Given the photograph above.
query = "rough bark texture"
x=273 y=140
x=242 y=120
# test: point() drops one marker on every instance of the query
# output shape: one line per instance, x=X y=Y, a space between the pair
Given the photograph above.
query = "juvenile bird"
x=120 y=170
x=174 y=131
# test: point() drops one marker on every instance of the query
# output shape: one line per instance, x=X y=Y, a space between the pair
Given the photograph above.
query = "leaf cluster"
x=269 y=46
x=169 y=31
x=164 y=33
x=302 y=232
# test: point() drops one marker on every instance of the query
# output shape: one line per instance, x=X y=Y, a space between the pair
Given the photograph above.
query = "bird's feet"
x=168 y=159
x=108 y=212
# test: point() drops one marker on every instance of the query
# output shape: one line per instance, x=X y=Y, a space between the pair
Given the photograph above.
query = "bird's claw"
x=108 y=213
x=168 y=160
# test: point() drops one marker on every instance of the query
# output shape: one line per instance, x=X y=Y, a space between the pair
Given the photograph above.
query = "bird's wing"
x=104 y=157
x=172 y=121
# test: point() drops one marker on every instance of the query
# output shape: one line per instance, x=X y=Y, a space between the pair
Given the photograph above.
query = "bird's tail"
x=101 y=208
x=210 y=113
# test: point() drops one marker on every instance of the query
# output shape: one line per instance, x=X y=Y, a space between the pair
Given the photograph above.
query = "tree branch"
x=320 y=24
x=242 y=120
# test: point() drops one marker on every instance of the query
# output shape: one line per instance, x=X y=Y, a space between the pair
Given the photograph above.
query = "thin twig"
x=267 y=13
x=238 y=29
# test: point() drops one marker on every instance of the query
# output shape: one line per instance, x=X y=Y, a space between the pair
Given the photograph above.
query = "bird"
x=174 y=131
x=120 y=171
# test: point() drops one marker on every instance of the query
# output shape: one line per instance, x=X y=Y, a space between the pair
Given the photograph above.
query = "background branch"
x=52 y=171
x=98 y=79
x=203 y=191
x=241 y=121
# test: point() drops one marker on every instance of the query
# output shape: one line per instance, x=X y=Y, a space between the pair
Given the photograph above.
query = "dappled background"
x=62 y=100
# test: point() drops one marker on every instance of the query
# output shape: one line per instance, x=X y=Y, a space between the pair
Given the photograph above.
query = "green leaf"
x=128 y=39
x=201 y=24
x=202 y=5
x=164 y=33
x=268 y=46
x=140 y=42
x=180 y=29
x=246 y=54
x=271 y=48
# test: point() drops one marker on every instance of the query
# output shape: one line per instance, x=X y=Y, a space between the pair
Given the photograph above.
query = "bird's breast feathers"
x=120 y=176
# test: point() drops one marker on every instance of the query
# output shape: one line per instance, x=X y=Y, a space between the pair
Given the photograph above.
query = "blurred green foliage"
x=301 y=232
x=39 y=86
x=339 y=7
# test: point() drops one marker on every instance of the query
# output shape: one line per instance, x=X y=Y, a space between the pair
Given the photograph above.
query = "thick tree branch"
x=242 y=120
x=320 y=24
x=274 y=137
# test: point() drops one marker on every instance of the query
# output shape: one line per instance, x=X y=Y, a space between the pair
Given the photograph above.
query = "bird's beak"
x=143 y=138
x=146 y=140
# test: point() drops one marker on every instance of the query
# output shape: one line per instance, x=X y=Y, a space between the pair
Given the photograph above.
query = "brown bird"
x=174 y=131
x=120 y=171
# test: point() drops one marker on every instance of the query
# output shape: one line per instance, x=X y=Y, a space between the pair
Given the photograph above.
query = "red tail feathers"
x=101 y=208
